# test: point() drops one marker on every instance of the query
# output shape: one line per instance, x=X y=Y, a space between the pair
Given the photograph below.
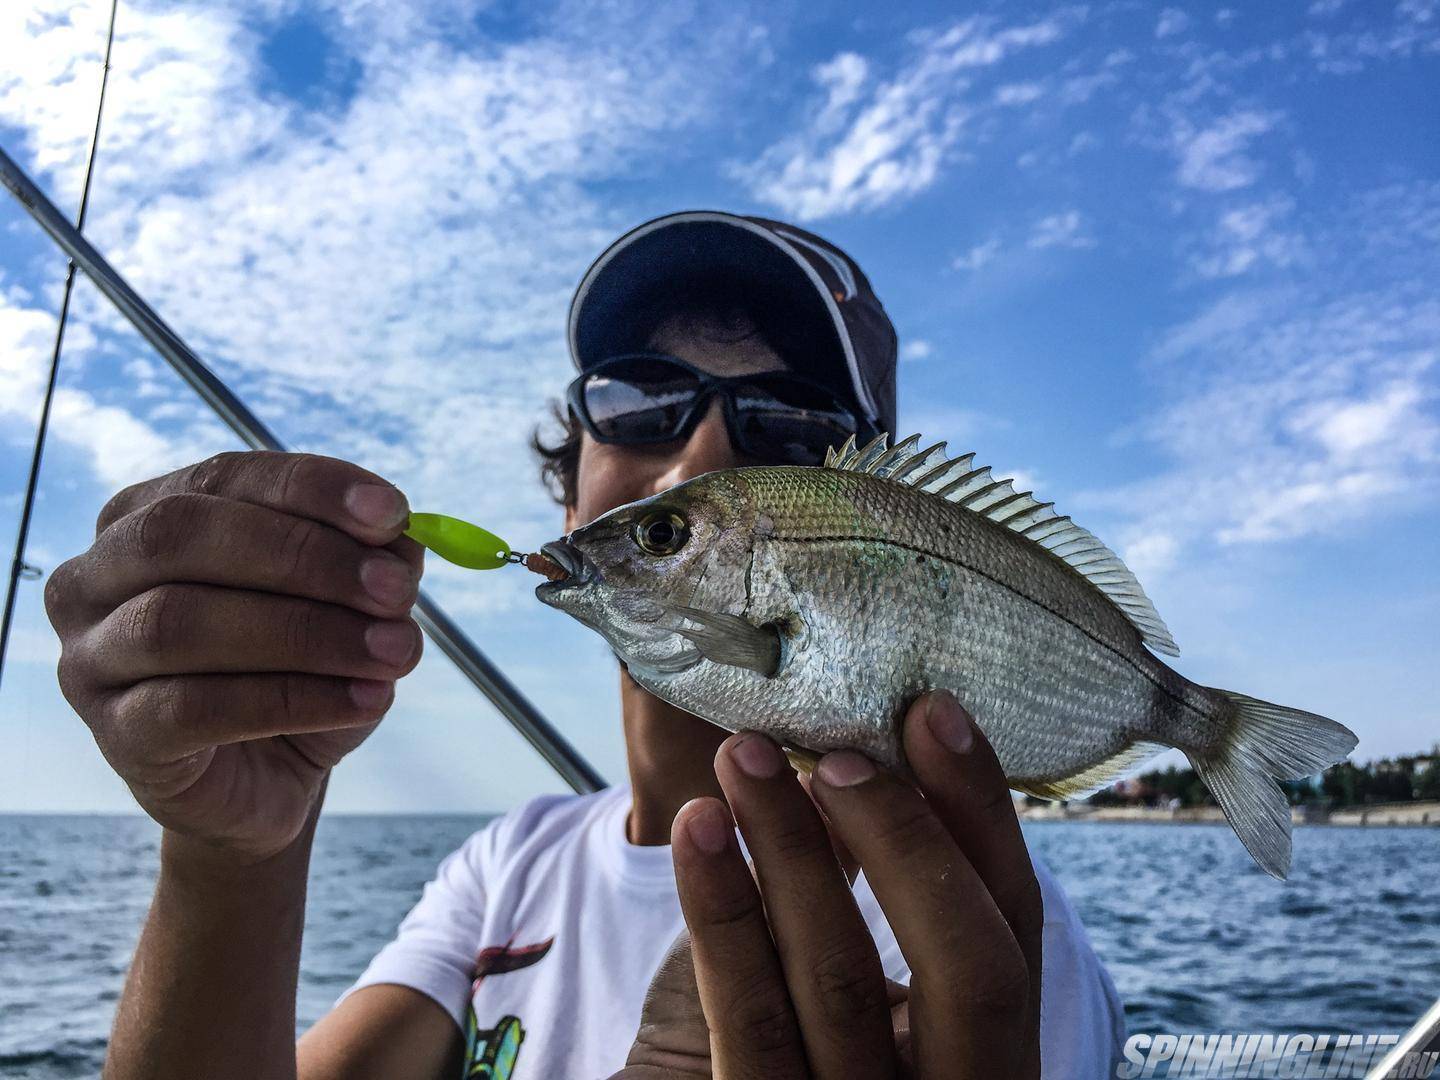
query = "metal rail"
x=1425 y=1035
x=453 y=642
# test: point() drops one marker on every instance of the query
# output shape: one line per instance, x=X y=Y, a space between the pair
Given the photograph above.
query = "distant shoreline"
x=1407 y=814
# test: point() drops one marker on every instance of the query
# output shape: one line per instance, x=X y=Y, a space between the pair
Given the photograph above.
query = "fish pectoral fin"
x=683 y=660
x=730 y=639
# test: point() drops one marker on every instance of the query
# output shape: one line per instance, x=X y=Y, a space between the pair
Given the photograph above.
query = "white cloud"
x=1023 y=479
x=120 y=447
x=1150 y=554
x=978 y=256
x=383 y=278
x=869 y=141
x=1296 y=410
x=916 y=349
x=1405 y=29
x=1172 y=21
x=842 y=79
x=1293 y=421
x=174 y=73
x=1018 y=93
x=1079 y=89
x=1214 y=158
x=1391 y=418
x=1251 y=235
x=1066 y=230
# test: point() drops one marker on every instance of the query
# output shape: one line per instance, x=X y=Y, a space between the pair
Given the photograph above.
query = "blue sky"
x=1176 y=267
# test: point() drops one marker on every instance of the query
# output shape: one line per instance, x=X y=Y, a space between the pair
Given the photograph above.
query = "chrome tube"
x=1425 y=1035
x=453 y=642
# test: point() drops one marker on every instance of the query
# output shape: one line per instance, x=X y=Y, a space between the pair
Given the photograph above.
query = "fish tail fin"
x=1267 y=743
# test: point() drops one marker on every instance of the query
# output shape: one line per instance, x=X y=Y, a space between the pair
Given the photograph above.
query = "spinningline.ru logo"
x=1242 y=1056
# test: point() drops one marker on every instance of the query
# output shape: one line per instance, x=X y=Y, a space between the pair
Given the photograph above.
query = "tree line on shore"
x=1386 y=780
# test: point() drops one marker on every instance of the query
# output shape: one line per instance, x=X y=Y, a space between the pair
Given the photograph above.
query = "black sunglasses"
x=772 y=416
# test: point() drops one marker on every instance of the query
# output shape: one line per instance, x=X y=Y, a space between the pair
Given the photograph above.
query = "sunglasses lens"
x=790 y=422
x=638 y=399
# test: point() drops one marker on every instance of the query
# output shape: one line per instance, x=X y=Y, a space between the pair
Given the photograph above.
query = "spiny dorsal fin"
x=959 y=481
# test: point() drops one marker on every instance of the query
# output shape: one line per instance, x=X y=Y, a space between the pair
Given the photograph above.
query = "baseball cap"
x=672 y=255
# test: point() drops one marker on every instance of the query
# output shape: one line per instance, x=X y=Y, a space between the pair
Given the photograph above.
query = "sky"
x=1177 y=268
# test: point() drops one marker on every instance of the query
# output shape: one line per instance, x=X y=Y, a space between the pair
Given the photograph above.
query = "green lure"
x=459 y=542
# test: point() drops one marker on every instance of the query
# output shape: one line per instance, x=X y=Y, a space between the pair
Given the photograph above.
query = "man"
x=239 y=625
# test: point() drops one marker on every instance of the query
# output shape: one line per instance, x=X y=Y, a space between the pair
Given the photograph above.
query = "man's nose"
x=708 y=448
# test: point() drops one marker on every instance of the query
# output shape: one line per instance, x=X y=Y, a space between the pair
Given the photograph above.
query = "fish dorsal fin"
x=960 y=481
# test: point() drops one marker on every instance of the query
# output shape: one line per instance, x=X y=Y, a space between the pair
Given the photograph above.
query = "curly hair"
x=559 y=460
x=724 y=307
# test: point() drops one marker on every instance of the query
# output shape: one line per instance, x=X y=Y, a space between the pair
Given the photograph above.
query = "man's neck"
x=670 y=754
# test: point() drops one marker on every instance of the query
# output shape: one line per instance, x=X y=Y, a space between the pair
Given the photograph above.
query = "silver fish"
x=814 y=603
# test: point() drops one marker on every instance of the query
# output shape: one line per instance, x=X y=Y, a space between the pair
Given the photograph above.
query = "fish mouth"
x=578 y=569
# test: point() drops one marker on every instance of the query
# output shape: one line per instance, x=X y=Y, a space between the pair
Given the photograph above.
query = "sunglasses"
x=773 y=416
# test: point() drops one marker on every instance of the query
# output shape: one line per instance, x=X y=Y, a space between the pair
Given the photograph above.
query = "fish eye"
x=661 y=532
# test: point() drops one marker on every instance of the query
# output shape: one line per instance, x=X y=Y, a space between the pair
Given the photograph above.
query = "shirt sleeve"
x=1082 y=1020
x=435 y=946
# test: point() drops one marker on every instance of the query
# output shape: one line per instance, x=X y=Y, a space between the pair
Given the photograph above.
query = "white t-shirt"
x=541 y=933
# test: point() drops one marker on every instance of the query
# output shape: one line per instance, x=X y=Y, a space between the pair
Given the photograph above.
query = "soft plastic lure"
x=471 y=546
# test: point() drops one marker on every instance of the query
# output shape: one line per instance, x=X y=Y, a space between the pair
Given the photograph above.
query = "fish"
x=814 y=603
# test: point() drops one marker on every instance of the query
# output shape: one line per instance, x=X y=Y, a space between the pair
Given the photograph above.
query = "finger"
x=158 y=721
x=323 y=489
x=753 y=1031
x=969 y=981
x=194 y=629
x=843 y=855
x=409 y=550
x=962 y=778
x=202 y=539
x=828 y=955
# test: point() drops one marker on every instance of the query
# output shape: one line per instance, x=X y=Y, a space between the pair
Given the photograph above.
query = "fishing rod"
x=452 y=641
x=19 y=568
x=1424 y=1035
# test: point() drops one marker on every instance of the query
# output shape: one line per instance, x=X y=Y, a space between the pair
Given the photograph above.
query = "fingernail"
x=757 y=756
x=379 y=506
x=948 y=722
x=845 y=768
x=708 y=829
x=387 y=579
x=371 y=693
x=393 y=643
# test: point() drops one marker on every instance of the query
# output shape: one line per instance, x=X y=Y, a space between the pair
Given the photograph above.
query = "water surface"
x=1196 y=938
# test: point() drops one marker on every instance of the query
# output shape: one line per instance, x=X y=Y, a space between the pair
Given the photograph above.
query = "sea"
x=1196 y=938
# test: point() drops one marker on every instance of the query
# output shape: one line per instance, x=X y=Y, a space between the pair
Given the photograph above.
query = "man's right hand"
x=234 y=631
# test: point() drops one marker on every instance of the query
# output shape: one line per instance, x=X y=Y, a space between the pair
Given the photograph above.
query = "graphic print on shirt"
x=490 y=1053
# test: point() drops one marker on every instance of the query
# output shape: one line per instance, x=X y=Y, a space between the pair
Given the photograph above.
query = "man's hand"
x=783 y=980
x=237 y=628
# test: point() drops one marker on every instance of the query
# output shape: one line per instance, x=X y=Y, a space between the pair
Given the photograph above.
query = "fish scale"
x=815 y=604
